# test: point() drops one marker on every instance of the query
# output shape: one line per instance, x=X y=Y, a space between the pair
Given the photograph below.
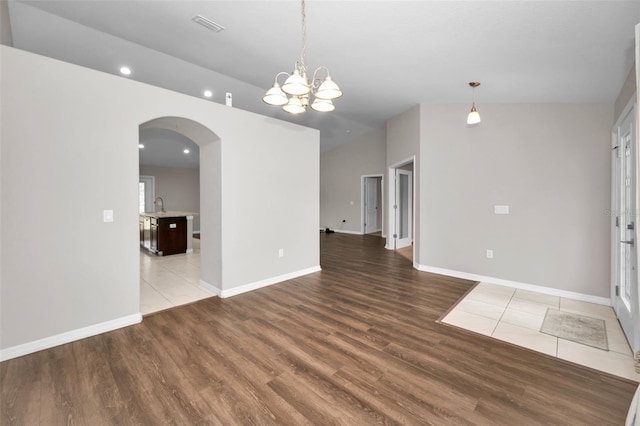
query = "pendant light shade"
x=294 y=106
x=474 y=116
x=298 y=92
x=275 y=96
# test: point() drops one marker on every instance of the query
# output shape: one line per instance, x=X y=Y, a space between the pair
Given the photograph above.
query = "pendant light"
x=474 y=116
x=296 y=93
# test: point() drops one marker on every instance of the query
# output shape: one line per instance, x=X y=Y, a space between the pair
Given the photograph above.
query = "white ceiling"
x=165 y=148
x=387 y=56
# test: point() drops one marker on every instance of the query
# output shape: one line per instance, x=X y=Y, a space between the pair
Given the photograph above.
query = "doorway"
x=624 y=223
x=183 y=278
x=372 y=216
x=401 y=208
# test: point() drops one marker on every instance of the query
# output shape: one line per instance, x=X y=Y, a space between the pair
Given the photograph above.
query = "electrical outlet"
x=501 y=209
x=489 y=254
x=281 y=253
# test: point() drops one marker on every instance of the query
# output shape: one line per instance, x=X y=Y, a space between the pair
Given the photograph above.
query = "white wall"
x=179 y=189
x=549 y=162
x=341 y=170
x=403 y=143
x=626 y=93
x=65 y=271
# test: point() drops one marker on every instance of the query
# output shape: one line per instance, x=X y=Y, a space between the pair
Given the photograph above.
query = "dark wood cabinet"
x=168 y=235
x=164 y=235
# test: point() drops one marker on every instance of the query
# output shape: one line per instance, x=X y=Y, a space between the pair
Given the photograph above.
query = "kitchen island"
x=165 y=233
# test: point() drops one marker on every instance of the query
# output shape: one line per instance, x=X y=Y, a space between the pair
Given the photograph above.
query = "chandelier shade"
x=297 y=92
x=296 y=84
x=275 y=96
x=295 y=106
x=328 y=90
x=322 y=105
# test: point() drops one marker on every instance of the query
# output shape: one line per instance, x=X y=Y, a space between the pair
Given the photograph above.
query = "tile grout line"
x=503 y=312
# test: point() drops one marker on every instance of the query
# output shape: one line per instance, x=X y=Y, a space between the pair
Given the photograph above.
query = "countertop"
x=169 y=214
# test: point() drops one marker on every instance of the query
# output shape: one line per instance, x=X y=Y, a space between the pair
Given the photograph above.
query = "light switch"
x=501 y=209
x=107 y=215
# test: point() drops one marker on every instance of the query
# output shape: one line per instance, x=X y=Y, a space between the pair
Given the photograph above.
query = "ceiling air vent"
x=199 y=19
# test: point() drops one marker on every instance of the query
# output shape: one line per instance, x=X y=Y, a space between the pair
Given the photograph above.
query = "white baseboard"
x=210 y=288
x=514 y=284
x=69 y=336
x=344 y=231
x=263 y=283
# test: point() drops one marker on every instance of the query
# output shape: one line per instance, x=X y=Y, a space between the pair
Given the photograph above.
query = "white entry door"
x=371 y=205
x=403 y=209
x=625 y=299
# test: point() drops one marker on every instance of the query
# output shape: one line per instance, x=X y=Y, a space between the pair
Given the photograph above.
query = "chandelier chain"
x=304 y=37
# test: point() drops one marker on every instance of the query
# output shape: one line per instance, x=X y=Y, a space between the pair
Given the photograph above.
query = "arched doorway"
x=175 y=280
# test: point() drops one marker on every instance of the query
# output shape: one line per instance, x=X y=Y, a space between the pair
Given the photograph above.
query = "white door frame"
x=404 y=207
x=619 y=219
x=391 y=224
x=363 y=198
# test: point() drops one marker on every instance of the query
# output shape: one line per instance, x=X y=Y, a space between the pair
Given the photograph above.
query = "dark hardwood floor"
x=355 y=344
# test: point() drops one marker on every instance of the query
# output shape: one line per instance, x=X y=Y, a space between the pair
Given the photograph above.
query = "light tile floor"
x=516 y=316
x=168 y=281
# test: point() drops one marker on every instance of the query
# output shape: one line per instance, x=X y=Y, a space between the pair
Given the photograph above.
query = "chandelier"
x=297 y=92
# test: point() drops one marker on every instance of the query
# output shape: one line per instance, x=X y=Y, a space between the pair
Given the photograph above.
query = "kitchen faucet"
x=155 y=203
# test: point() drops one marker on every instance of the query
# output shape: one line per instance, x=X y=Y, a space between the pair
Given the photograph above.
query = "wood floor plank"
x=102 y=398
x=356 y=344
x=61 y=399
x=20 y=387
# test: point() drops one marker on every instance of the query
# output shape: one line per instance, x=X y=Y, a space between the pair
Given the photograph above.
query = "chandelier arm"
x=315 y=80
x=279 y=74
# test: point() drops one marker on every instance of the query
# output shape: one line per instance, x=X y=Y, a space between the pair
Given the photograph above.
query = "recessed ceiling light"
x=140 y=145
x=208 y=93
x=125 y=70
x=186 y=151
